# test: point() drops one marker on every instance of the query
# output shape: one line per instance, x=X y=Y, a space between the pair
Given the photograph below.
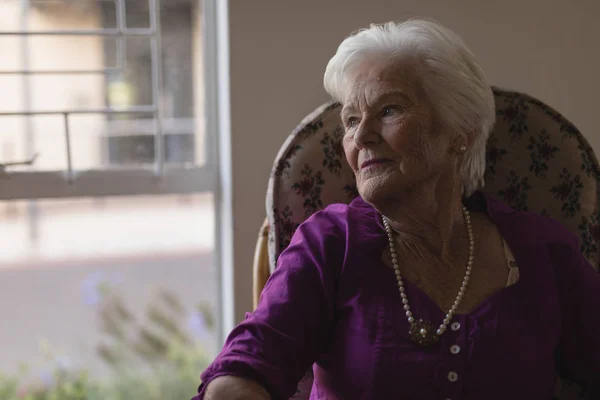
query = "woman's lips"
x=374 y=162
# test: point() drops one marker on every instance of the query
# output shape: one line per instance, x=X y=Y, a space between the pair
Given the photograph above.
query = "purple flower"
x=90 y=288
x=197 y=324
x=47 y=379
x=116 y=278
x=63 y=363
x=94 y=286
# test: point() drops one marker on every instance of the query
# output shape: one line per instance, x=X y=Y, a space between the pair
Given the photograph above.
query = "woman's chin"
x=376 y=193
x=379 y=190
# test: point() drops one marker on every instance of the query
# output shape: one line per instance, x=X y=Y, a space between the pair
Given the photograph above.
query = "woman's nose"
x=366 y=134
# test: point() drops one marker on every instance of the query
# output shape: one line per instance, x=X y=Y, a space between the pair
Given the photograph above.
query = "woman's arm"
x=234 y=388
x=277 y=343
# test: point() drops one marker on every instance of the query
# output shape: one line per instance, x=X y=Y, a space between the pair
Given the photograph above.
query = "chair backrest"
x=536 y=161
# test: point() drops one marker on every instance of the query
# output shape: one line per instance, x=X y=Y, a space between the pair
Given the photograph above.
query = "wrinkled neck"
x=429 y=222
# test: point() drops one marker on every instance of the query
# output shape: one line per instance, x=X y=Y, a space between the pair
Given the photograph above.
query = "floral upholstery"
x=536 y=161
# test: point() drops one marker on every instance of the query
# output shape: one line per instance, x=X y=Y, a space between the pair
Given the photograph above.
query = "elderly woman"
x=422 y=287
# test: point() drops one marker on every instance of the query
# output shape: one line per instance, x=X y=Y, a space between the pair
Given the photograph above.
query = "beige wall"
x=279 y=49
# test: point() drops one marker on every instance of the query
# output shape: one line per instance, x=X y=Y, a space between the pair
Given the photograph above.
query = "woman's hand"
x=234 y=388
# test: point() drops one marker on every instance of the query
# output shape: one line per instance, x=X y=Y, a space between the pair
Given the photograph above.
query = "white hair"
x=449 y=73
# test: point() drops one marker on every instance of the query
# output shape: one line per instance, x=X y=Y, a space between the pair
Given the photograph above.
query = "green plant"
x=151 y=358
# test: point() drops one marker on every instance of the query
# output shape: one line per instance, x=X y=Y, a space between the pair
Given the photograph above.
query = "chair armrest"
x=260 y=269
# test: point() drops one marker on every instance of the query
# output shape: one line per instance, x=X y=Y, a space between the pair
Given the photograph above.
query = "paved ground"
x=51 y=303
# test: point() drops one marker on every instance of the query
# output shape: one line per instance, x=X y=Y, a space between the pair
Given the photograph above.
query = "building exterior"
x=50 y=249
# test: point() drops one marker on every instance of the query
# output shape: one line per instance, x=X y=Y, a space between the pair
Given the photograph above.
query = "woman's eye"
x=388 y=110
x=351 y=122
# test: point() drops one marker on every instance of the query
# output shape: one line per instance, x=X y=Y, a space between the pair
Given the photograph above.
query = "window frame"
x=214 y=176
x=36 y=185
x=145 y=179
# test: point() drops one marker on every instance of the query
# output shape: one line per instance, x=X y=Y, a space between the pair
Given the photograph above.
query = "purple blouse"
x=332 y=303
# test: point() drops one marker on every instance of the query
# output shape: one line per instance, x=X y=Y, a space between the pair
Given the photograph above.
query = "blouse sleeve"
x=579 y=351
x=282 y=338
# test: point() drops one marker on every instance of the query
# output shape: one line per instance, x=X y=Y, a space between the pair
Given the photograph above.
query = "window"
x=109 y=286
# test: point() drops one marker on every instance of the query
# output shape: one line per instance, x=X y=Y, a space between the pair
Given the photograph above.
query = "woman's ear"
x=460 y=143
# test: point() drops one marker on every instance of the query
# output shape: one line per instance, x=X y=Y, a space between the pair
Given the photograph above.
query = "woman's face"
x=394 y=142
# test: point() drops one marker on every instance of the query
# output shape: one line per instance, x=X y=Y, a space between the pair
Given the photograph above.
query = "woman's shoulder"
x=341 y=214
x=547 y=229
x=342 y=221
x=528 y=225
x=342 y=232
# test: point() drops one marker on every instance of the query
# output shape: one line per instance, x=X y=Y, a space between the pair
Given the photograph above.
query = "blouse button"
x=452 y=376
x=455 y=326
x=455 y=349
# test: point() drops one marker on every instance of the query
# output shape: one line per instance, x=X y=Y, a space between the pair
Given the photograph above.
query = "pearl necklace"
x=422 y=332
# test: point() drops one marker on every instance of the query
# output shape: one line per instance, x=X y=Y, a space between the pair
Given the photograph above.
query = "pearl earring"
x=463 y=149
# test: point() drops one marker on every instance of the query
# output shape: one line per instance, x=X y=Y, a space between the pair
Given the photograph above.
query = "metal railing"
x=120 y=33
